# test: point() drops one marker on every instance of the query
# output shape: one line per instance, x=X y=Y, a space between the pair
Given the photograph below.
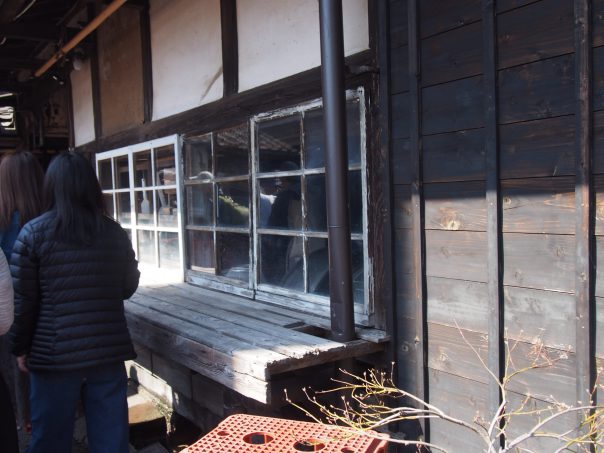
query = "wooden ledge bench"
x=241 y=343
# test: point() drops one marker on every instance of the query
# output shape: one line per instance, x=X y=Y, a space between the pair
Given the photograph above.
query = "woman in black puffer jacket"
x=72 y=269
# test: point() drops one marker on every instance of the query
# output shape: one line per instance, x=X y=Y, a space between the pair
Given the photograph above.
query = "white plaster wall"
x=279 y=38
x=83 y=112
x=186 y=53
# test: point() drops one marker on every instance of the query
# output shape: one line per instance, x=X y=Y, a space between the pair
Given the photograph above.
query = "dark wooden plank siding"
x=437 y=16
x=463 y=152
x=456 y=254
x=455 y=206
x=525 y=34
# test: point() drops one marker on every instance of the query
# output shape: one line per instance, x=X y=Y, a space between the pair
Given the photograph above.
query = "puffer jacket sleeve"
x=132 y=275
x=6 y=296
x=24 y=268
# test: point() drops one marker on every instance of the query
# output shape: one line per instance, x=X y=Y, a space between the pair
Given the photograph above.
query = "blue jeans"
x=54 y=399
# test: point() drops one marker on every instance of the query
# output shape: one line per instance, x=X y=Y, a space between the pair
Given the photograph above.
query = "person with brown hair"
x=21 y=178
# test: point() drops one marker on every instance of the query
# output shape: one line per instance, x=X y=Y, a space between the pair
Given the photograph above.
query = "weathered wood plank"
x=539 y=261
x=399 y=70
x=599 y=252
x=403 y=210
x=403 y=252
x=453 y=106
x=463 y=153
x=222 y=368
x=230 y=52
x=452 y=55
x=556 y=380
x=456 y=254
x=453 y=301
x=456 y=206
x=541 y=30
x=538 y=148
x=461 y=398
x=598 y=22
x=400 y=115
x=598 y=142
x=599 y=328
x=542 y=89
x=505 y=5
x=544 y=205
x=399 y=35
x=536 y=316
x=437 y=16
x=598 y=78
x=450 y=350
x=401 y=158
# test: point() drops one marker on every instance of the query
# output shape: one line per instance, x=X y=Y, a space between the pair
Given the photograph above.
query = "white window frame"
x=129 y=151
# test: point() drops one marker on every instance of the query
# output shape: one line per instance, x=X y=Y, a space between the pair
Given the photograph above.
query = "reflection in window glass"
x=286 y=207
x=105 y=175
x=233 y=204
x=169 y=257
x=318 y=267
x=316 y=219
x=165 y=166
x=231 y=151
x=358 y=272
x=144 y=207
x=109 y=205
x=279 y=144
x=167 y=212
x=279 y=255
x=201 y=251
x=200 y=204
x=353 y=132
x=314 y=139
x=198 y=158
x=146 y=247
x=142 y=169
x=124 y=214
x=355 y=194
x=122 y=172
x=233 y=253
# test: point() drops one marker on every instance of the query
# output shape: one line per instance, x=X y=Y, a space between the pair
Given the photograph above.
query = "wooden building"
x=475 y=155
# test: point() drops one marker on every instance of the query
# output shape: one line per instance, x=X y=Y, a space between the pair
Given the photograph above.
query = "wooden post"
x=147 y=65
x=495 y=300
x=96 y=85
x=230 y=51
x=419 y=261
x=584 y=267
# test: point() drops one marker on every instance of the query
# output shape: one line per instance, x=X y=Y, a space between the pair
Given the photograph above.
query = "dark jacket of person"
x=69 y=310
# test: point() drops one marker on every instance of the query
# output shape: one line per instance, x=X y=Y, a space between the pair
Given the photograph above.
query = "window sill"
x=243 y=344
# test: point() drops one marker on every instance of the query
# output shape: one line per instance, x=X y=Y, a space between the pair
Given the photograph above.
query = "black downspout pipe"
x=336 y=170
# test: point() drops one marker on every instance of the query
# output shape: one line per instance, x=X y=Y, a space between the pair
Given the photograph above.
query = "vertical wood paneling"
x=584 y=271
x=95 y=77
x=417 y=202
x=230 y=55
x=147 y=65
x=495 y=305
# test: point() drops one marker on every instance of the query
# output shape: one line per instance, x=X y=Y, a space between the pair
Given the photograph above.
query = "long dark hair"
x=20 y=187
x=73 y=192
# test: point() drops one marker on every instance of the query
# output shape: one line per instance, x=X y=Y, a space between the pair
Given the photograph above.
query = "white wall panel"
x=279 y=38
x=83 y=112
x=186 y=54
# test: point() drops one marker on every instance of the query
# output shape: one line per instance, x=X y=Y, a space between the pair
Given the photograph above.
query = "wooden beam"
x=494 y=250
x=230 y=51
x=417 y=202
x=147 y=65
x=585 y=259
x=95 y=78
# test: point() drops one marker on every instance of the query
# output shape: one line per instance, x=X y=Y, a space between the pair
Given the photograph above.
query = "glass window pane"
x=318 y=266
x=232 y=151
x=233 y=204
x=165 y=166
x=355 y=195
x=200 y=204
x=144 y=207
x=279 y=144
x=105 y=178
x=286 y=207
x=353 y=132
x=169 y=256
x=314 y=139
x=122 y=172
x=358 y=272
x=198 y=157
x=167 y=210
x=200 y=247
x=146 y=247
x=109 y=205
x=142 y=169
x=233 y=253
x=279 y=255
x=267 y=192
x=316 y=205
x=123 y=208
